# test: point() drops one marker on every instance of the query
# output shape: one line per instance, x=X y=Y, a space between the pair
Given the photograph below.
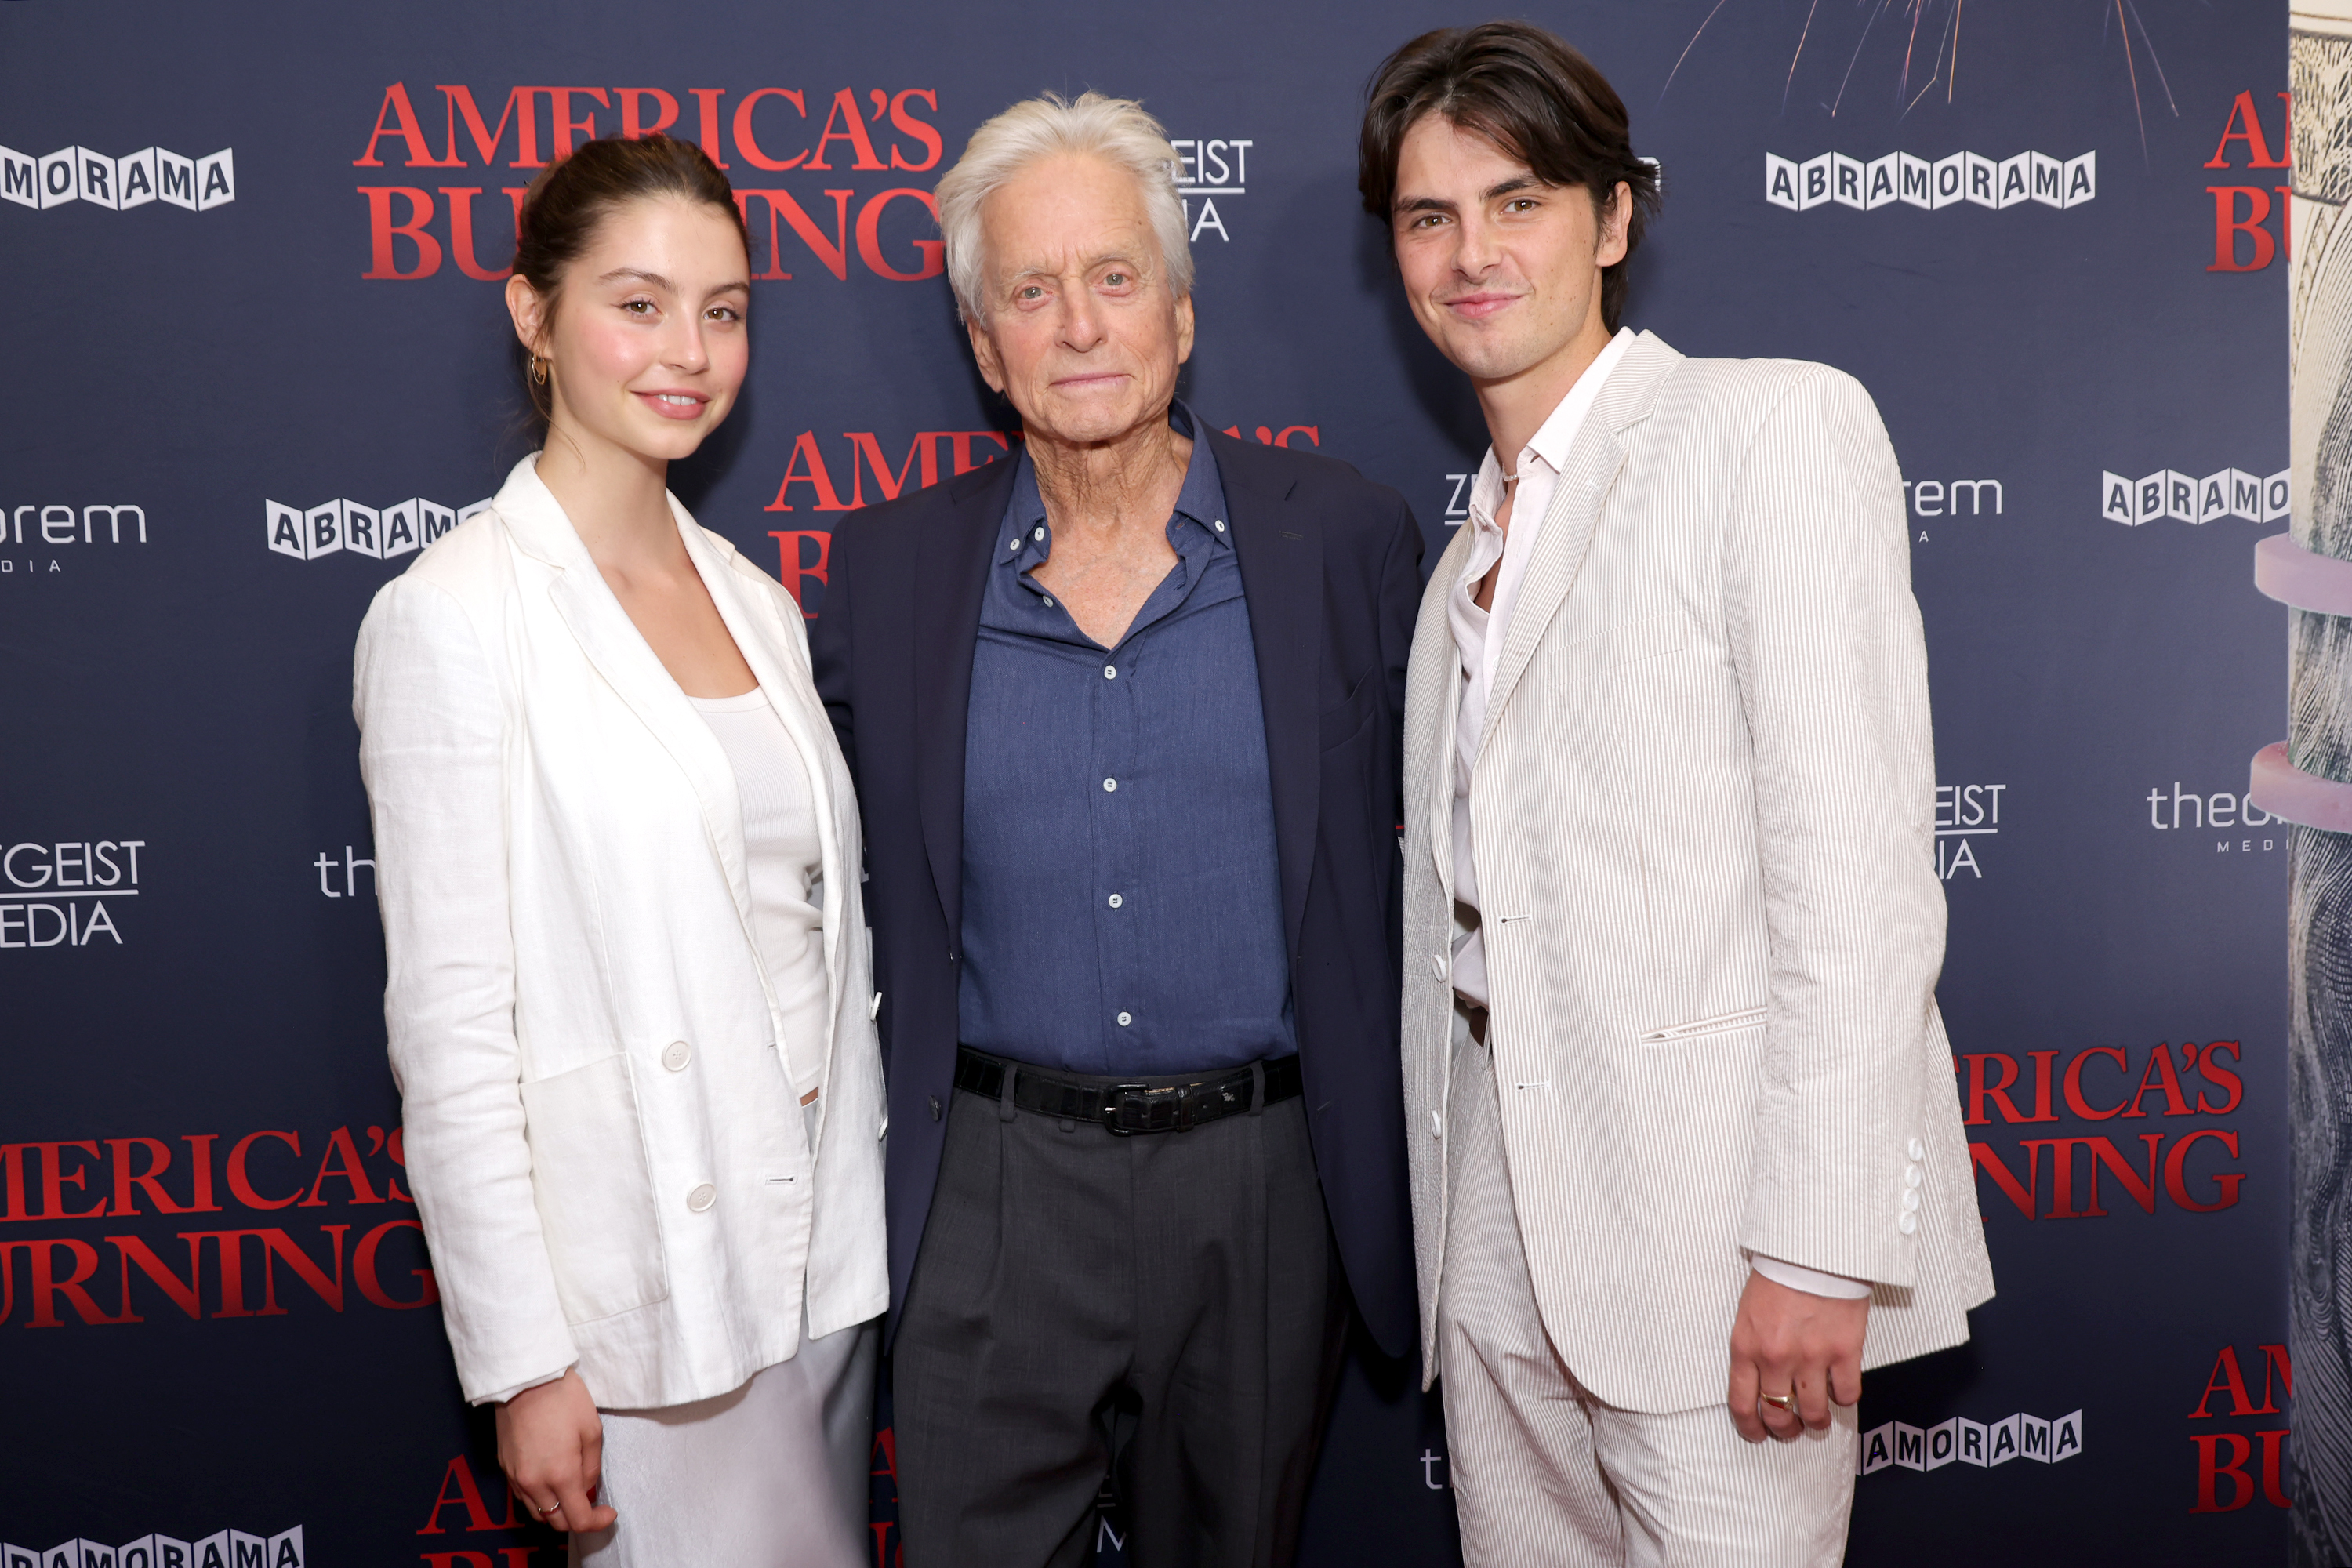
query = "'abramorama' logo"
x=153 y=175
x=228 y=1549
x=380 y=533
x=1894 y=1444
x=2185 y=498
x=1964 y=177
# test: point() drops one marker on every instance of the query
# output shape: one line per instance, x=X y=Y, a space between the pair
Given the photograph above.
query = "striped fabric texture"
x=1703 y=808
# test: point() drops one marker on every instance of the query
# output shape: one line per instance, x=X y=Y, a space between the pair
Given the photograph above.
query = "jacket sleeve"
x=1832 y=671
x=432 y=751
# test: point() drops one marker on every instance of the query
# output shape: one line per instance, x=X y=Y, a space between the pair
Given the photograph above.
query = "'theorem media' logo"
x=380 y=533
x=1895 y=1445
x=1964 y=177
x=150 y=175
x=2185 y=498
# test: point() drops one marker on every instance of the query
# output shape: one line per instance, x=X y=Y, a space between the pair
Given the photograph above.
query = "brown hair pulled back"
x=1531 y=95
x=574 y=195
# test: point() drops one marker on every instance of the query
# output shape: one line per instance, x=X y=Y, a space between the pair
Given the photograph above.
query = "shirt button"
x=676 y=1055
x=1910 y=1175
x=1110 y=672
x=1040 y=534
x=1110 y=786
x=1012 y=544
x=1916 y=1150
x=1436 y=1125
x=1115 y=900
x=1910 y=1200
x=1437 y=966
x=1907 y=1224
x=1049 y=599
x=1125 y=1019
x=1219 y=525
x=702 y=1197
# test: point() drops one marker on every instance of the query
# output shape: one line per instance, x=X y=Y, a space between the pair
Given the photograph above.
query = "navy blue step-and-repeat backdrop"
x=253 y=258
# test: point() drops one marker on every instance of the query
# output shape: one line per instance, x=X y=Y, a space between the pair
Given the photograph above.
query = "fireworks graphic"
x=1925 y=38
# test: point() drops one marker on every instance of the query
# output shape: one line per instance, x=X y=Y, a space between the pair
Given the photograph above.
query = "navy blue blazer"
x=1330 y=567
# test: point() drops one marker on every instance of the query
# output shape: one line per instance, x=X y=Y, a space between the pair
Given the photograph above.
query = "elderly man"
x=1124 y=714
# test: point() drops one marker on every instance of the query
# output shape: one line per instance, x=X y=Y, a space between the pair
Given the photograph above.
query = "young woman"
x=628 y=996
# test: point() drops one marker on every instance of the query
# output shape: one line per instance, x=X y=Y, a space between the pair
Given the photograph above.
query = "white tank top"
x=785 y=861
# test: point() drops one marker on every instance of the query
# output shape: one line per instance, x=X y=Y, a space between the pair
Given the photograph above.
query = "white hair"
x=1114 y=130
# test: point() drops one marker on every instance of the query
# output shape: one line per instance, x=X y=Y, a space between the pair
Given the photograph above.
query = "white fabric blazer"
x=1703 y=813
x=604 y=1144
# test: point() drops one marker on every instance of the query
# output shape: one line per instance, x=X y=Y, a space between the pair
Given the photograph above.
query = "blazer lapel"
x=1593 y=461
x=950 y=579
x=535 y=521
x=760 y=637
x=1279 y=548
x=1434 y=702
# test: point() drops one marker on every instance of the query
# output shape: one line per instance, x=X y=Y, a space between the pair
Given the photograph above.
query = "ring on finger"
x=1786 y=1402
x=551 y=1508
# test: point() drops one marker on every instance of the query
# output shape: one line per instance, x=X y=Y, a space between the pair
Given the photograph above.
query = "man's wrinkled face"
x=1077 y=324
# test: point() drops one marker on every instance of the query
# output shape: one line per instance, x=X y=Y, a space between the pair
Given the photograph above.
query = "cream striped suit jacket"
x=1702 y=810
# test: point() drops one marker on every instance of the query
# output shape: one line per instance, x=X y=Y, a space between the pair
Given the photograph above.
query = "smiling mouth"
x=1478 y=306
x=675 y=404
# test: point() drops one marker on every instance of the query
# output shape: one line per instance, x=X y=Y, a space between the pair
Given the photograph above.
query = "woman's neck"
x=617 y=499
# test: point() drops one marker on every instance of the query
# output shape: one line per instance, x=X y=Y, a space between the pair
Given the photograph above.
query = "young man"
x=1683 y=1125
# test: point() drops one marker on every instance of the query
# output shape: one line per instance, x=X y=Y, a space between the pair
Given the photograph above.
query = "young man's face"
x=1502 y=270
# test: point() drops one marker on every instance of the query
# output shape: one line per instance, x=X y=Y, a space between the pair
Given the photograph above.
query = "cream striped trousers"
x=1546 y=1475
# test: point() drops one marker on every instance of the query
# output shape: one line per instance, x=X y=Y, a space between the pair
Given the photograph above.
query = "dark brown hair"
x=1532 y=96
x=576 y=192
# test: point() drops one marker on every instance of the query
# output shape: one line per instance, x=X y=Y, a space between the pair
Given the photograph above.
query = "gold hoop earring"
x=538 y=370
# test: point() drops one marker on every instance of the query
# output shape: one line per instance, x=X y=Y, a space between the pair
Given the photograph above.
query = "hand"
x=552 y=1446
x=1785 y=1340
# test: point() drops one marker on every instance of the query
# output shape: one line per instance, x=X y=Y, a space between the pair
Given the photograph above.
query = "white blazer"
x=1703 y=813
x=604 y=1144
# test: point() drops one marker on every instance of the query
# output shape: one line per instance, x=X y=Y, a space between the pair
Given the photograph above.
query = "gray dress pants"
x=1163 y=1311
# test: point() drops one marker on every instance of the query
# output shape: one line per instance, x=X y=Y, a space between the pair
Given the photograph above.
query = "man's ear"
x=1615 y=219
x=983 y=353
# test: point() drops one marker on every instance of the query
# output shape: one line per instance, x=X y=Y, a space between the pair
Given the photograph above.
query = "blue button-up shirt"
x=1122 y=902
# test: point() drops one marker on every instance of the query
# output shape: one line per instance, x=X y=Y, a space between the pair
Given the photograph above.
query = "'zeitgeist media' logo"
x=380 y=533
x=63 y=895
x=1894 y=1444
x=151 y=174
x=2185 y=498
x=1205 y=169
x=228 y=1549
x=1964 y=177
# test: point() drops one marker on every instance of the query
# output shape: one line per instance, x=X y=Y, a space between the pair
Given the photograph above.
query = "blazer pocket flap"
x=1700 y=1028
x=1643 y=637
x=593 y=1185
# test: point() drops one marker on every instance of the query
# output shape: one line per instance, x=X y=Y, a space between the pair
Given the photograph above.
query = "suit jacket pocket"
x=1342 y=724
x=1705 y=1028
x=594 y=1188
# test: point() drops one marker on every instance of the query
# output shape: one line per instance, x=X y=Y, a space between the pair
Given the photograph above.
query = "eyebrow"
x=1504 y=189
x=658 y=282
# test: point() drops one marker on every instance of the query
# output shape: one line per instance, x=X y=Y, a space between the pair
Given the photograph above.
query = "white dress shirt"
x=1480 y=635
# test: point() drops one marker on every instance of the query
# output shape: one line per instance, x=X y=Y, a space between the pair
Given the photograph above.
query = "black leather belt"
x=1125 y=1108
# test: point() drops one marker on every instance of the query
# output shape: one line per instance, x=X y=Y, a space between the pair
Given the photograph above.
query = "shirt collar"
x=1557 y=434
x=1029 y=538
